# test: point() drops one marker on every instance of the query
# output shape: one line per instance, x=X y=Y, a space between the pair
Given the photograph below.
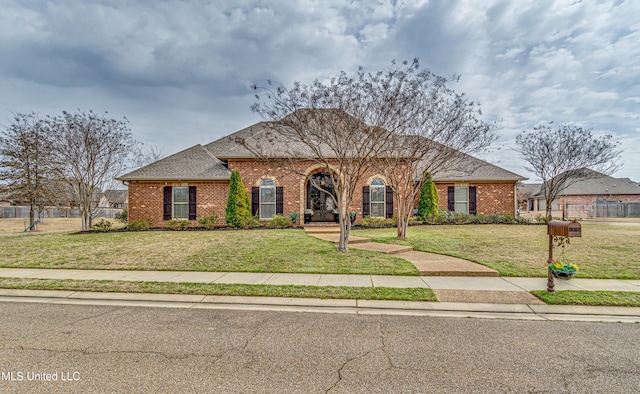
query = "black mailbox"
x=562 y=228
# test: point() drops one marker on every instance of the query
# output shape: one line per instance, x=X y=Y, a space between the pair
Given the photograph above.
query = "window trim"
x=377 y=184
x=456 y=201
x=262 y=203
x=174 y=202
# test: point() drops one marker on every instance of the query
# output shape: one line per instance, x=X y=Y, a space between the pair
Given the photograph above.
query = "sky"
x=181 y=71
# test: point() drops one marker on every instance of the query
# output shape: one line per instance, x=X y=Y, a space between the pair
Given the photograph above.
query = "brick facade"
x=146 y=200
x=146 y=197
x=497 y=197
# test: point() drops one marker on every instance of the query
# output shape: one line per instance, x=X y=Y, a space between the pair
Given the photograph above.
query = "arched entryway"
x=319 y=199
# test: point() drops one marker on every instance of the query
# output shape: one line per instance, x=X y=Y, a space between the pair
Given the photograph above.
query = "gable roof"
x=117 y=196
x=202 y=162
x=192 y=164
x=471 y=168
x=596 y=183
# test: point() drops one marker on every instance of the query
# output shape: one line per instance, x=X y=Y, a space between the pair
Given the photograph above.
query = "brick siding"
x=146 y=197
x=490 y=197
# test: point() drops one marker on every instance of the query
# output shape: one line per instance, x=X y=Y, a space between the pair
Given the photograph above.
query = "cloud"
x=185 y=68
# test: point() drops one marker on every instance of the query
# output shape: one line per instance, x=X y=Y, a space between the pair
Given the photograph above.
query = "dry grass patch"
x=48 y=225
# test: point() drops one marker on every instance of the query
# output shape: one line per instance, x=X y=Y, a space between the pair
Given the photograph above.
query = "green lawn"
x=591 y=298
x=604 y=251
x=287 y=250
x=325 y=292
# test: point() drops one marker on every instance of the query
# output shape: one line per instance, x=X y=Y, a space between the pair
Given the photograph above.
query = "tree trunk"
x=32 y=216
x=345 y=229
x=403 y=222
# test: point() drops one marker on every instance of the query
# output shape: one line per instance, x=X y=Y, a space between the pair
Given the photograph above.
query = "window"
x=377 y=193
x=461 y=204
x=267 y=199
x=180 y=203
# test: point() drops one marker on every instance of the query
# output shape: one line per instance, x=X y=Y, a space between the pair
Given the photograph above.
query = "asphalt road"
x=136 y=349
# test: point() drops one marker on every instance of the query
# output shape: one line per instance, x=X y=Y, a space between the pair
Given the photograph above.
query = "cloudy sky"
x=181 y=71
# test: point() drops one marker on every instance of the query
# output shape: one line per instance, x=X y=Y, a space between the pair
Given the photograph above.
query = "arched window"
x=267 y=199
x=376 y=194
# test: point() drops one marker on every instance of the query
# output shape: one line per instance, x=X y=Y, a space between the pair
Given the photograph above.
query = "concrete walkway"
x=434 y=282
x=428 y=264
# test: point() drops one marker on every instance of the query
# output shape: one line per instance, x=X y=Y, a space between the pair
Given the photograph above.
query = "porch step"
x=322 y=228
x=335 y=238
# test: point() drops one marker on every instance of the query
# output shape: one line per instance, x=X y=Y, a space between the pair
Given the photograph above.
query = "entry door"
x=318 y=200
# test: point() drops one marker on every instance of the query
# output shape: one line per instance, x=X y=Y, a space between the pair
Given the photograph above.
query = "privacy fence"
x=56 y=212
x=605 y=210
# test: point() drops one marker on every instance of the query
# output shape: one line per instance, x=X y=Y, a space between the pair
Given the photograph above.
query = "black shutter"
x=279 y=200
x=472 y=200
x=167 y=202
x=255 y=200
x=451 y=197
x=192 y=203
x=389 y=202
x=366 y=203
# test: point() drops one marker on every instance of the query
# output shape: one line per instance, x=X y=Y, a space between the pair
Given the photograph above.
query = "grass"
x=17 y=226
x=591 y=298
x=286 y=250
x=603 y=251
x=325 y=292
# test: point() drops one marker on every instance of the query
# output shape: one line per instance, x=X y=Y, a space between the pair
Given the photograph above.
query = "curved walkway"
x=428 y=264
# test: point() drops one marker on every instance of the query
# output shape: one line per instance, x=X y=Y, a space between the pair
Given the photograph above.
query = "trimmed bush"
x=123 y=216
x=209 y=222
x=279 y=222
x=139 y=225
x=428 y=203
x=238 y=213
x=378 y=222
x=178 y=224
x=102 y=225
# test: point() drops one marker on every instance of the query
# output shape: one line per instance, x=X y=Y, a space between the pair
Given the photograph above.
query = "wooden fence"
x=55 y=212
x=605 y=210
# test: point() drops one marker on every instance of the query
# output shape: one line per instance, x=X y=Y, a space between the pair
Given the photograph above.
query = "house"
x=194 y=183
x=115 y=199
x=580 y=195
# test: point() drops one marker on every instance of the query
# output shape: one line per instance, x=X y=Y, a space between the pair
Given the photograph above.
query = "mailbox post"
x=559 y=233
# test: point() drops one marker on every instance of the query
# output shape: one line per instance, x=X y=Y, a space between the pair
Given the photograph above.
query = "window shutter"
x=255 y=200
x=167 y=202
x=389 y=202
x=451 y=198
x=366 y=203
x=279 y=200
x=472 y=200
x=192 y=203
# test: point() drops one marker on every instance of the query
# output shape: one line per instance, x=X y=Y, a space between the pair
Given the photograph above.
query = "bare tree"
x=25 y=163
x=433 y=130
x=334 y=124
x=88 y=152
x=148 y=154
x=565 y=155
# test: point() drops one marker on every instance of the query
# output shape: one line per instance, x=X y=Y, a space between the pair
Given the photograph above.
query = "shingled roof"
x=192 y=164
x=596 y=183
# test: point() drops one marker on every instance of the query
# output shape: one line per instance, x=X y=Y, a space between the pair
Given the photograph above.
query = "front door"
x=320 y=201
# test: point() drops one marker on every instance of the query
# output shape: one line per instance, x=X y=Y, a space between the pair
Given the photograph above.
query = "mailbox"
x=561 y=228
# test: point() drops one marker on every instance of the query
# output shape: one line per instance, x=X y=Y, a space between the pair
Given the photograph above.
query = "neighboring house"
x=580 y=199
x=194 y=183
x=115 y=199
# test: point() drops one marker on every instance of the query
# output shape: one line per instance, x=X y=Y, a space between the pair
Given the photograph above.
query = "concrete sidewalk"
x=433 y=282
x=482 y=297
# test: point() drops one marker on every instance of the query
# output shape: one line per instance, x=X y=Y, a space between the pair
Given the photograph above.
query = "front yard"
x=287 y=250
x=604 y=251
